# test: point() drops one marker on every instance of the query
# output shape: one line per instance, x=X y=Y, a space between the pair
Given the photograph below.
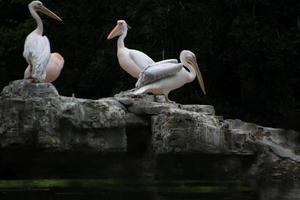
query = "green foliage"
x=248 y=50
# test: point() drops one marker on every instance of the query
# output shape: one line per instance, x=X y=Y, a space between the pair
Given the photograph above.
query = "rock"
x=282 y=143
x=143 y=104
x=181 y=131
x=130 y=96
x=237 y=134
x=207 y=109
x=39 y=118
x=34 y=117
x=149 y=108
x=132 y=120
x=28 y=89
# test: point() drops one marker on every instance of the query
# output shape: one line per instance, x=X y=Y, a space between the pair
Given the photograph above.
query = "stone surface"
x=34 y=116
x=283 y=143
x=39 y=118
x=181 y=131
x=207 y=109
x=145 y=106
x=28 y=89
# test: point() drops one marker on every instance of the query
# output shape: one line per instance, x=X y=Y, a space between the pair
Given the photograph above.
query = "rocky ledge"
x=34 y=117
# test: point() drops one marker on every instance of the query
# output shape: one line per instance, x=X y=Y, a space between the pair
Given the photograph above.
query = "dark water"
x=86 y=176
x=131 y=190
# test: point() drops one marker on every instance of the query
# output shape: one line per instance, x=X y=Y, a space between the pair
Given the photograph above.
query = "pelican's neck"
x=121 y=40
x=38 y=20
x=192 y=73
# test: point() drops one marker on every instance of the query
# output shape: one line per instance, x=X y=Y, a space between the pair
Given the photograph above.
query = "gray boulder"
x=34 y=116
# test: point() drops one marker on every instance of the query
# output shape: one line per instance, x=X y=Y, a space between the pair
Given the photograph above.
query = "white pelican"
x=53 y=68
x=132 y=61
x=161 y=78
x=37 y=47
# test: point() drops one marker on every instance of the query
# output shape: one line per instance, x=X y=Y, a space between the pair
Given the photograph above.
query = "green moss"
x=49 y=141
x=111 y=184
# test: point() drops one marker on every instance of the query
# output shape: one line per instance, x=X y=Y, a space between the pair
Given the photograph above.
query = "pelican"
x=37 y=47
x=53 y=68
x=161 y=78
x=131 y=60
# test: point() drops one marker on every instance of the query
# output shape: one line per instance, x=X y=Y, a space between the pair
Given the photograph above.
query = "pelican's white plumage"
x=131 y=60
x=53 y=68
x=163 y=77
x=157 y=71
x=37 y=47
x=37 y=54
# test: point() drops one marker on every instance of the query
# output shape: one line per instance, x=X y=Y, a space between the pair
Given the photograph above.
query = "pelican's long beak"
x=115 y=32
x=199 y=75
x=51 y=14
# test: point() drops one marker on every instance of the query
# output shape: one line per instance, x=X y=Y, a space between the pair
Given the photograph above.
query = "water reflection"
x=131 y=190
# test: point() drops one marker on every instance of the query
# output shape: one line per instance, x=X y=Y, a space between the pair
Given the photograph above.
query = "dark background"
x=248 y=50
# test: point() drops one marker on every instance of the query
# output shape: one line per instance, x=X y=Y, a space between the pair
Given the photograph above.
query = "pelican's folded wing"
x=157 y=71
x=140 y=59
x=165 y=61
x=37 y=51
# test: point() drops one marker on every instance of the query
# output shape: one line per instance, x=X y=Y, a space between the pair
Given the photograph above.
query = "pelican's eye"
x=38 y=5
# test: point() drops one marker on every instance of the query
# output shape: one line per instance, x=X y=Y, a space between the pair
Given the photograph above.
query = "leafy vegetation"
x=248 y=50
